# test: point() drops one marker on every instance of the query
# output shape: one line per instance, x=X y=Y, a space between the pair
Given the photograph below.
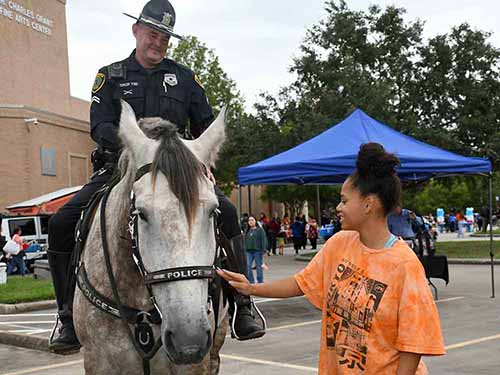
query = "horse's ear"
x=130 y=133
x=208 y=145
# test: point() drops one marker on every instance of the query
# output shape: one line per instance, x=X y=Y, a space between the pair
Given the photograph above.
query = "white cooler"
x=3 y=273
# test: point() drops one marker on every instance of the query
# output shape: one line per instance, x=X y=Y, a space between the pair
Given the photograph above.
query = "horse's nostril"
x=169 y=338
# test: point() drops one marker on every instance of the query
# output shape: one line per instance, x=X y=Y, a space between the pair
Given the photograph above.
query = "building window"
x=48 y=158
x=27 y=226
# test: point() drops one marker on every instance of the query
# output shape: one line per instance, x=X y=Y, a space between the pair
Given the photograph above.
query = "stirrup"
x=259 y=313
x=54 y=329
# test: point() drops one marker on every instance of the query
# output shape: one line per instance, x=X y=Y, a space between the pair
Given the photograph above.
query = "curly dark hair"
x=376 y=174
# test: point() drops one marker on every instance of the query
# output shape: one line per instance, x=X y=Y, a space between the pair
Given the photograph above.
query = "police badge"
x=169 y=79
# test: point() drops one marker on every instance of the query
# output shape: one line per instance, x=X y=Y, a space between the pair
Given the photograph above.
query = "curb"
x=26 y=307
x=472 y=261
x=301 y=258
x=24 y=341
x=484 y=235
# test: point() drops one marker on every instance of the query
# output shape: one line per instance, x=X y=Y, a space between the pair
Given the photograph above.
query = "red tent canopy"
x=46 y=204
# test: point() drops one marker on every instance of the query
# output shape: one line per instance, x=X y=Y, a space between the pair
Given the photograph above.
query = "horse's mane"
x=177 y=163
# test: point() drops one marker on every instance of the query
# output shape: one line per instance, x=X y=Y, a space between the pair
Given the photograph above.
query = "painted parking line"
x=268 y=363
x=472 y=342
x=449 y=299
x=34 y=314
x=39 y=331
x=264 y=300
x=28 y=322
x=36 y=370
x=288 y=326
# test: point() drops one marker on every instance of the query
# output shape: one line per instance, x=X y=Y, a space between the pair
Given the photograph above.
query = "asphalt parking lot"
x=469 y=318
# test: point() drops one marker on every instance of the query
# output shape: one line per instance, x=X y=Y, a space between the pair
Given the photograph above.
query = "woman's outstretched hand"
x=236 y=280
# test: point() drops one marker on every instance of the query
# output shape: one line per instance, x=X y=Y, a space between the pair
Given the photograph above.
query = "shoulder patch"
x=100 y=78
x=197 y=79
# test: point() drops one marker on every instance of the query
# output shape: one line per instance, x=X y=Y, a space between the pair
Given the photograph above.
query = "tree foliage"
x=444 y=91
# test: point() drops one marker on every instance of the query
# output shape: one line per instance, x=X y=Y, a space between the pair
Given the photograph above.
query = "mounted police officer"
x=155 y=87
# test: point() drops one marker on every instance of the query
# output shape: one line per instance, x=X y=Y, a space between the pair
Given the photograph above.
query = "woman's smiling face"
x=351 y=208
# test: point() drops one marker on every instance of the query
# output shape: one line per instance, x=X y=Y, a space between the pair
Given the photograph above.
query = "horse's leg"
x=106 y=346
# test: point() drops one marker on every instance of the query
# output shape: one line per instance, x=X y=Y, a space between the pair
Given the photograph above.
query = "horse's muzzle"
x=185 y=349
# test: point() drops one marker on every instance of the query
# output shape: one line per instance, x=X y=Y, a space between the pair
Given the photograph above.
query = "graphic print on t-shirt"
x=351 y=304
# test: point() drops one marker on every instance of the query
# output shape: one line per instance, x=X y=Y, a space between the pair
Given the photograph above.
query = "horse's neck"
x=129 y=281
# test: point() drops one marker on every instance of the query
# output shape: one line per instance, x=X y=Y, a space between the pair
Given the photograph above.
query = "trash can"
x=3 y=273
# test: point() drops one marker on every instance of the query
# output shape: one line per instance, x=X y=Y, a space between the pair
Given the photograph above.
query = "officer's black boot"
x=243 y=324
x=66 y=342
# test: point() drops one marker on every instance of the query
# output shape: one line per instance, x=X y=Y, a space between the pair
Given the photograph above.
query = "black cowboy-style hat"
x=159 y=15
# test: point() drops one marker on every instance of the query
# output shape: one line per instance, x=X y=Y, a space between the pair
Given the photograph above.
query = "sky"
x=255 y=40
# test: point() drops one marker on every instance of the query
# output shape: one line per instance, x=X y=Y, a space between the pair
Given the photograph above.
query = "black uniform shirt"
x=170 y=91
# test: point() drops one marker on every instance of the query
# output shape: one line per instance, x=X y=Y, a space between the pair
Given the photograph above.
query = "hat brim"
x=156 y=26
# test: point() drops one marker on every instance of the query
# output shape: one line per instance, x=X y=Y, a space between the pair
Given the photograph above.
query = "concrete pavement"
x=469 y=318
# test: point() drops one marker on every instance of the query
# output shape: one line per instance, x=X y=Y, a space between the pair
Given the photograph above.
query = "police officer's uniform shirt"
x=170 y=91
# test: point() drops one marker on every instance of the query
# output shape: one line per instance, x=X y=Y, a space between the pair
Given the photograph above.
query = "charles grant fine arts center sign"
x=18 y=13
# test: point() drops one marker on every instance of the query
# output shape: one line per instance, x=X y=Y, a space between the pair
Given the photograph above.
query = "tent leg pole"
x=239 y=201
x=490 y=192
x=249 y=199
x=318 y=214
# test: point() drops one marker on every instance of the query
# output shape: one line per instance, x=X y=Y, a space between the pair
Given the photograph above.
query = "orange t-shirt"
x=375 y=302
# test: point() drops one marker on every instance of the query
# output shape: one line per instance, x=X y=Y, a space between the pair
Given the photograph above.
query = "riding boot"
x=243 y=323
x=66 y=342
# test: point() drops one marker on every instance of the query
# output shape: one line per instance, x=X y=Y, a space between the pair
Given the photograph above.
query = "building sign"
x=24 y=16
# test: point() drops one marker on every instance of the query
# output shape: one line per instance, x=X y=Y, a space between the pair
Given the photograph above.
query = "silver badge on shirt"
x=169 y=79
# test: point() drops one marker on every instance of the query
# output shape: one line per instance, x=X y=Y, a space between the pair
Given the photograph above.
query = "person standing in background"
x=274 y=227
x=312 y=232
x=255 y=246
x=298 y=230
x=17 y=261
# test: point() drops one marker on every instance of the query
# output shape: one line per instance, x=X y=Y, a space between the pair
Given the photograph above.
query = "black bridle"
x=143 y=339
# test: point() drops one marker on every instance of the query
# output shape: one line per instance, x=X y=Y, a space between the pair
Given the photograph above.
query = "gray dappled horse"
x=174 y=204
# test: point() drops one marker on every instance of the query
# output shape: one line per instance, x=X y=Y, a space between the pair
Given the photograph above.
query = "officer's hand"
x=237 y=281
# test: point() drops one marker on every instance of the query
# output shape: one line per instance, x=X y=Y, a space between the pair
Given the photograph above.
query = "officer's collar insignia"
x=170 y=79
x=100 y=78
x=167 y=19
x=197 y=79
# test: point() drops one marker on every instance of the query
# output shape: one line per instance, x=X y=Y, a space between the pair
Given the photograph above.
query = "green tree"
x=220 y=90
x=444 y=91
x=459 y=93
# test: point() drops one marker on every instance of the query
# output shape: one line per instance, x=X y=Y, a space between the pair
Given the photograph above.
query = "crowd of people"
x=281 y=231
x=264 y=236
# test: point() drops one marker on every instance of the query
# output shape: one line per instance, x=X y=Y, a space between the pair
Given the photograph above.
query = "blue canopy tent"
x=330 y=157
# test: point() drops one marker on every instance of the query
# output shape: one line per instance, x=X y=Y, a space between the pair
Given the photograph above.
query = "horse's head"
x=175 y=204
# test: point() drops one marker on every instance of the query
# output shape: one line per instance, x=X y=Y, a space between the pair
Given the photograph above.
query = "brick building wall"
x=35 y=85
